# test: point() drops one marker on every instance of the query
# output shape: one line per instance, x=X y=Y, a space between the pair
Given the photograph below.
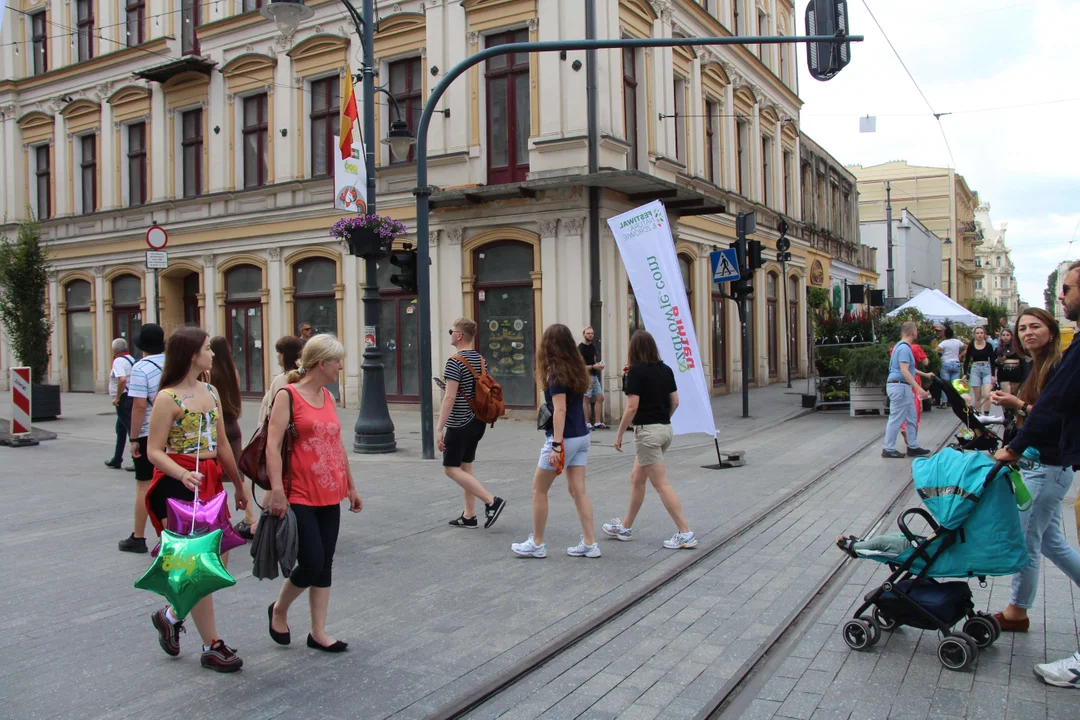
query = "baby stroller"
x=976 y=436
x=974 y=532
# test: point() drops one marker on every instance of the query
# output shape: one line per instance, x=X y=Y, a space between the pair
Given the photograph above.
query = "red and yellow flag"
x=349 y=114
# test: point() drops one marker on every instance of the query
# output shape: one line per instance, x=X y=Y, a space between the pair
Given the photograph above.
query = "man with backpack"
x=471 y=400
x=142 y=386
x=118 y=377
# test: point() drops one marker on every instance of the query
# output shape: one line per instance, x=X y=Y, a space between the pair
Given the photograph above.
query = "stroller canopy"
x=954 y=487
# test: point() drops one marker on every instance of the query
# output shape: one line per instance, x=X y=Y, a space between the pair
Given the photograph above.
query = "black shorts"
x=167 y=488
x=144 y=469
x=461 y=443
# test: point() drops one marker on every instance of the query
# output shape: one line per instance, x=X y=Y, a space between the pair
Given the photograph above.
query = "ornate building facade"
x=205 y=119
x=993 y=256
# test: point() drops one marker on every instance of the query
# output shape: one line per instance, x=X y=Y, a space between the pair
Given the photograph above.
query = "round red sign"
x=157 y=238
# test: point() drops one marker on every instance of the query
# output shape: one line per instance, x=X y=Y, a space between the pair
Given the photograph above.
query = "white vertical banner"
x=648 y=252
x=350 y=180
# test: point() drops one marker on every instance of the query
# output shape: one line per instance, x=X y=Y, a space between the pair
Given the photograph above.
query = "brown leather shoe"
x=1008 y=625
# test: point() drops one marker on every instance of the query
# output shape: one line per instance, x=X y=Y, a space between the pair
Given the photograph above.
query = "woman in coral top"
x=318 y=480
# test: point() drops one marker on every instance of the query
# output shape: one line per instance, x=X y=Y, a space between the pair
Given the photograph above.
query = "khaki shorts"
x=651 y=442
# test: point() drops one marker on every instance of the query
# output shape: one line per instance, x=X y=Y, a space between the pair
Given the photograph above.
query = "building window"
x=788 y=189
x=85 y=24
x=793 y=322
x=680 y=119
x=506 y=317
x=244 y=319
x=136 y=158
x=508 y=115
x=719 y=340
x=250 y=5
x=191 y=145
x=407 y=87
x=127 y=310
x=190 y=19
x=686 y=268
x=763 y=29
x=40 y=39
x=325 y=96
x=630 y=107
x=771 y=283
x=742 y=174
x=978 y=262
x=88 y=172
x=766 y=169
x=191 y=300
x=256 y=141
x=80 y=337
x=43 y=175
x=136 y=16
x=997 y=260
x=712 y=147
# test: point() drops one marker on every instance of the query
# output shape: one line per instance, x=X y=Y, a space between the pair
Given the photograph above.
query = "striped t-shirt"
x=143 y=383
x=462 y=414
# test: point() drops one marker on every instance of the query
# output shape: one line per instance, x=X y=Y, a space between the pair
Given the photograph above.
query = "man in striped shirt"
x=142 y=387
x=462 y=430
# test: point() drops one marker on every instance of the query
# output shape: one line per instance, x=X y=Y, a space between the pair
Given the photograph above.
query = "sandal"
x=847 y=544
x=244 y=530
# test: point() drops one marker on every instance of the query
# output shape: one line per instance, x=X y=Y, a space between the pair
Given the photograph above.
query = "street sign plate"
x=725 y=265
x=156 y=237
x=157 y=260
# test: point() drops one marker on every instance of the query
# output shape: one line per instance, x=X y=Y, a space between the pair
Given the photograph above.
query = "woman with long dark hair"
x=186 y=423
x=651 y=400
x=1049 y=481
x=318 y=480
x=560 y=371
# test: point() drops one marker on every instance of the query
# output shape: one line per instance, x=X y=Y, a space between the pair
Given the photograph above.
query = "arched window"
x=80 y=337
x=315 y=303
x=505 y=315
x=793 y=323
x=191 y=300
x=771 y=289
x=243 y=316
x=126 y=311
x=686 y=269
x=719 y=338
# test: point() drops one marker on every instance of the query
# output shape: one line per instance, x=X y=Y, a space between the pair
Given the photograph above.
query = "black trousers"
x=317 y=532
x=123 y=425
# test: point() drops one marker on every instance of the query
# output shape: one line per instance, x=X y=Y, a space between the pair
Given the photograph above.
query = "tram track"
x=509 y=677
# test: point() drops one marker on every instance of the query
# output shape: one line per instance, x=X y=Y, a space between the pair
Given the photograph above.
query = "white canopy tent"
x=939 y=307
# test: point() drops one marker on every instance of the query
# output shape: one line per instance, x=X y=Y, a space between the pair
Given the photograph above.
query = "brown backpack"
x=487 y=403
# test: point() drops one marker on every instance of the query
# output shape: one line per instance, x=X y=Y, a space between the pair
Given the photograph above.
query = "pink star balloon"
x=210 y=515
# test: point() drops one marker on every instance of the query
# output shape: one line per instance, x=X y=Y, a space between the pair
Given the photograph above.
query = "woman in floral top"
x=318 y=480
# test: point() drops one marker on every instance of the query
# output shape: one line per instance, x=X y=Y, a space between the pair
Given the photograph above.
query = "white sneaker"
x=529 y=548
x=583 y=550
x=589 y=425
x=681 y=541
x=616 y=530
x=1061 y=673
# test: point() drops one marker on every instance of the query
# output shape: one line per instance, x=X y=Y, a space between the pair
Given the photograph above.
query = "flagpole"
x=374 y=430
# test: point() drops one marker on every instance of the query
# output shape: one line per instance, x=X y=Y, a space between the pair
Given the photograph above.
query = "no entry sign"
x=157 y=238
x=20 y=401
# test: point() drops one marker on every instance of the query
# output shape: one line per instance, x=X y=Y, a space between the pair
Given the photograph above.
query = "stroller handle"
x=998 y=466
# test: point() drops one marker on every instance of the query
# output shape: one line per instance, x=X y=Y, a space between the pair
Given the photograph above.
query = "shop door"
x=400 y=346
x=80 y=337
x=245 y=323
x=127 y=312
x=505 y=316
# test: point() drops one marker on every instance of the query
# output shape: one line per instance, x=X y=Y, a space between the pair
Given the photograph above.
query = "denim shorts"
x=594 y=386
x=576 y=449
x=980 y=375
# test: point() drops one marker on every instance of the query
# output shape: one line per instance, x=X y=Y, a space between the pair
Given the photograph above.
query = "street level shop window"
x=126 y=310
x=505 y=314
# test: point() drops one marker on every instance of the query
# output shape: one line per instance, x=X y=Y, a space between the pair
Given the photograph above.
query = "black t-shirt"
x=588 y=352
x=575 y=426
x=653 y=384
x=986 y=353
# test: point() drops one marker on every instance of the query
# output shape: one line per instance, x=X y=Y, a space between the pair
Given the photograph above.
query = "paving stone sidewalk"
x=901 y=678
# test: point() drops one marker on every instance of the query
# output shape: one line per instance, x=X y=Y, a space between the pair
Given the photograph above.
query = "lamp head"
x=400 y=139
x=287 y=14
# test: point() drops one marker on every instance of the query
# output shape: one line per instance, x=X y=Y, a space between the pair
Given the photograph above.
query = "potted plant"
x=866 y=369
x=24 y=277
x=368 y=236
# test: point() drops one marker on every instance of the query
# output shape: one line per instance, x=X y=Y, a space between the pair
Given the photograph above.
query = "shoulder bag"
x=252 y=460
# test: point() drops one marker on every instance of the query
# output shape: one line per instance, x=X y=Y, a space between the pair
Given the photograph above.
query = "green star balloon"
x=187 y=569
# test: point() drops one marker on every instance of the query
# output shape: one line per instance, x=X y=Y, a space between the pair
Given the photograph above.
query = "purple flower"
x=385 y=227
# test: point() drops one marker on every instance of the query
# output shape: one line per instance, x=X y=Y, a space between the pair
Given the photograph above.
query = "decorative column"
x=571 y=285
x=549 y=267
x=276 y=320
x=729 y=139
x=56 y=362
x=284 y=121
x=354 y=336
x=695 y=122
x=159 y=186
x=103 y=346
x=109 y=185
x=754 y=191
x=12 y=189
x=217 y=137
x=454 y=295
x=212 y=310
x=797 y=189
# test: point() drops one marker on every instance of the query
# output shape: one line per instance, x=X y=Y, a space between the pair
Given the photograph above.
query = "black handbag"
x=544 y=420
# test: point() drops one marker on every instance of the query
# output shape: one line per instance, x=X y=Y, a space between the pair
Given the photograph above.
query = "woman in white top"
x=950 y=349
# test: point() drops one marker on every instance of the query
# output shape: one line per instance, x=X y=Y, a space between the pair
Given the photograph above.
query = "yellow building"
x=943 y=202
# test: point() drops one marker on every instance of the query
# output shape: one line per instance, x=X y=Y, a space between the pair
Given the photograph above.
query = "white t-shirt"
x=950 y=350
x=121 y=367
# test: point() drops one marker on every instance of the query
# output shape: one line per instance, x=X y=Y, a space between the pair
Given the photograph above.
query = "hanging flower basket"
x=367 y=236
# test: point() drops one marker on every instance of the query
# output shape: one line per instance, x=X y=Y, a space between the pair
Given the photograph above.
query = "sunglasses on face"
x=452 y=331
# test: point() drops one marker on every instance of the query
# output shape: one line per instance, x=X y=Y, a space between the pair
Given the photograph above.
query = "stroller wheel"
x=883 y=621
x=957 y=652
x=858 y=634
x=989 y=617
x=981 y=630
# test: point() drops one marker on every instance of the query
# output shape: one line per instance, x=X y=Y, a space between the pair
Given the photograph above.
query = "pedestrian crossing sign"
x=725 y=265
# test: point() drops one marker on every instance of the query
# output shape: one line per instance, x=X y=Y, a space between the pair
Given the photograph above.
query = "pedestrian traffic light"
x=754 y=259
x=827 y=17
x=406 y=261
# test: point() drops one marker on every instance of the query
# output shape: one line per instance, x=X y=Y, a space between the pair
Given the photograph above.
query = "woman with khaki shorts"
x=651 y=400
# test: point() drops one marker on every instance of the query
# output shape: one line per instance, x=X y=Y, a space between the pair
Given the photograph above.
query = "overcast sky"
x=969 y=55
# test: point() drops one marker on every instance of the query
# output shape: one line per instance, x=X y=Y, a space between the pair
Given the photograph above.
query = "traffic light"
x=827 y=17
x=754 y=259
x=406 y=261
x=743 y=287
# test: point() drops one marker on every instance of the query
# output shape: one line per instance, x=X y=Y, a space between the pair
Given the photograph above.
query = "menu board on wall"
x=506 y=345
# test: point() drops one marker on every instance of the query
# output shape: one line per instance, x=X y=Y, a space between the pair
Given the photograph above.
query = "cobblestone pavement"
x=430 y=610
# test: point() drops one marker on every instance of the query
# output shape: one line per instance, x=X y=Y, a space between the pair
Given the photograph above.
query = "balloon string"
x=195 y=501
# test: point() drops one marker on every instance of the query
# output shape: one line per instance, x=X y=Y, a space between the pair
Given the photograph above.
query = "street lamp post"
x=374 y=430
